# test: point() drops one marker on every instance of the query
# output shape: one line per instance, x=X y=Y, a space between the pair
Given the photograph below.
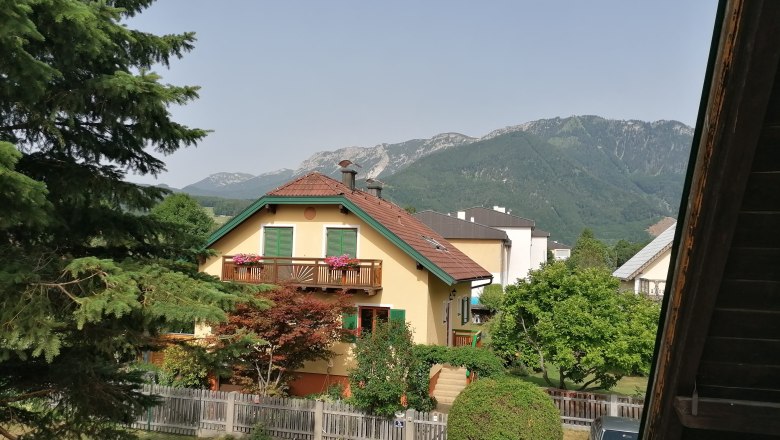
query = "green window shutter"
x=464 y=310
x=398 y=315
x=349 y=322
x=341 y=241
x=278 y=242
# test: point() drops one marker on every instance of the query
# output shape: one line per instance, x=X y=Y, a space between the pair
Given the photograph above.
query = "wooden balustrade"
x=305 y=272
x=461 y=337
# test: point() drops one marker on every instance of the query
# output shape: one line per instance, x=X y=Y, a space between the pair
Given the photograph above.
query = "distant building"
x=559 y=251
x=646 y=271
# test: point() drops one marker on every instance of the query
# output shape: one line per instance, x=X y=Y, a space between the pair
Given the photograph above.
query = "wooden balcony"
x=305 y=272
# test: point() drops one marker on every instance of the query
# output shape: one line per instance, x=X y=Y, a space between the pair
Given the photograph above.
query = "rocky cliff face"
x=383 y=159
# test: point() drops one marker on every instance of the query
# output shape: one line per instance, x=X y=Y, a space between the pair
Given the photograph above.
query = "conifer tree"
x=87 y=279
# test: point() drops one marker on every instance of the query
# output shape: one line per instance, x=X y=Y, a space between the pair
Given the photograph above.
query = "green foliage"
x=578 y=321
x=386 y=370
x=184 y=222
x=624 y=250
x=503 y=410
x=223 y=206
x=492 y=297
x=617 y=177
x=259 y=432
x=477 y=359
x=589 y=252
x=182 y=368
x=88 y=280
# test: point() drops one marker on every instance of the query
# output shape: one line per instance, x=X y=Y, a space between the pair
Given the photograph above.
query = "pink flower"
x=247 y=259
x=342 y=262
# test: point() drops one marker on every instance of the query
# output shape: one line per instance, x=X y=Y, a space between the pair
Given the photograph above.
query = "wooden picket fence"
x=580 y=409
x=204 y=413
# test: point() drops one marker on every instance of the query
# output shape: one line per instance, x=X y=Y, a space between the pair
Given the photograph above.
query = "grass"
x=627 y=386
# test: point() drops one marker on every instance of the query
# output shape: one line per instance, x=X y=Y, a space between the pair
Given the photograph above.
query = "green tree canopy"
x=576 y=320
x=183 y=221
x=588 y=251
x=86 y=280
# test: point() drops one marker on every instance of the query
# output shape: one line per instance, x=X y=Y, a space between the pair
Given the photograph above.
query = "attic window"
x=432 y=241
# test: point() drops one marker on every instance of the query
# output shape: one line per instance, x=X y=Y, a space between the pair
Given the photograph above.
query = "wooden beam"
x=729 y=415
x=741 y=83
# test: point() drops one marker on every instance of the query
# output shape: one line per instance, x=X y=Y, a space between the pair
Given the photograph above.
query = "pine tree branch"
x=7 y=434
x=26 y=396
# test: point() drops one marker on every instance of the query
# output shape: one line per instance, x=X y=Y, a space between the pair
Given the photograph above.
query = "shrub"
x=387 y=373
x=481 y=360
x=182 y=368
x=503 y=409
x=492 y=297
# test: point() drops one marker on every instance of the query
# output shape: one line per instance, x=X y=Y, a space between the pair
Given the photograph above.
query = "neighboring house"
x=523 y=256
x=487 y=246
x=646 y=271
x=559 y=251
x=406 y=271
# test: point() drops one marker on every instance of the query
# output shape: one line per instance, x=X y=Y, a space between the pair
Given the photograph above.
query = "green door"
x=341 y=241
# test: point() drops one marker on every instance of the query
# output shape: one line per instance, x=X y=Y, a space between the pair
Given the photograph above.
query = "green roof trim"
x=332 y=200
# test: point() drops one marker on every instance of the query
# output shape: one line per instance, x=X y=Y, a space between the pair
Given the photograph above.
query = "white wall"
x=520 y=254
x=538 y=252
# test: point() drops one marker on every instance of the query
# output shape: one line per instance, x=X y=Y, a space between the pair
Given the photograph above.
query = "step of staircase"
x=451 y=382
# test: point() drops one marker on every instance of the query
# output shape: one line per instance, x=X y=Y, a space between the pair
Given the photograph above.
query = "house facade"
x=403 y=269
x=645 y=273
x=528 y=249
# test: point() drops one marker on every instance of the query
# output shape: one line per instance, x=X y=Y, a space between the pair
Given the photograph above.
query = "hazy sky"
x=284 y=79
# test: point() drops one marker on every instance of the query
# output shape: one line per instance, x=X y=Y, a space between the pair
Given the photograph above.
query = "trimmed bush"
x=503 y=409
x=481 y=360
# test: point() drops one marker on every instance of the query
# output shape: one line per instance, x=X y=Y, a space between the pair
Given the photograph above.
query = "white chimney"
x=462 y=215
x=472 y=219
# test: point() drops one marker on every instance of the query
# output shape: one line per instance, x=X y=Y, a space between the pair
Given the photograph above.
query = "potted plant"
x=247 y=260
x=343 y=262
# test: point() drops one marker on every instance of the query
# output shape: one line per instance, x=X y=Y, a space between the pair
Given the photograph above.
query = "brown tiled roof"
x=405 y=226
x=453 y=227
x=536 y=232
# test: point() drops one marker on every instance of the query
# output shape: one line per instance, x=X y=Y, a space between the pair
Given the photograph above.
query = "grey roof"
x=493 y=218
x=647 y=255
x=619 y=424
x=539 y=233
x=552 y=244
x=453 y=227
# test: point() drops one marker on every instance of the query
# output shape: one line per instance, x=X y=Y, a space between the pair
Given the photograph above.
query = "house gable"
x=418 y=241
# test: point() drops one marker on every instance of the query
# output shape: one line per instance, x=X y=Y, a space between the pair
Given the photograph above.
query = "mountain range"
x=616 y=177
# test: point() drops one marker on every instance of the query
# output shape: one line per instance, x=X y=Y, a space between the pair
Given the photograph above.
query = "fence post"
x=319 y=406
x=409 y=435
x=613 y=405
x=230 y=411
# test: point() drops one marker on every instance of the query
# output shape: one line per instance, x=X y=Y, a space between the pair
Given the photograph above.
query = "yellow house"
x=405 y=270
x=645 y=272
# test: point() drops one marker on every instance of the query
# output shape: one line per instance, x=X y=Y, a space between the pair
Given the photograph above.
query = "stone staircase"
x=452 y=380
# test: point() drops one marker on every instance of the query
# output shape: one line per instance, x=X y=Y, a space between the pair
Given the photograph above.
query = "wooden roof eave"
x=741 y=73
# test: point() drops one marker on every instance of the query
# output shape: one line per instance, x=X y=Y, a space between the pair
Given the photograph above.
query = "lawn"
x=627 y=386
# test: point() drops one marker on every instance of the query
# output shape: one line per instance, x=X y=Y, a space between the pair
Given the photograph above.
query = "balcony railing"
x=461 y=337
x=305 y=272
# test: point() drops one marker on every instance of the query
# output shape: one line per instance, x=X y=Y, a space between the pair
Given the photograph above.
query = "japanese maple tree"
x=298 y=327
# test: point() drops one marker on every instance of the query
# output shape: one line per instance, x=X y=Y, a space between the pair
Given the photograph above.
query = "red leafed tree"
x=269 y=343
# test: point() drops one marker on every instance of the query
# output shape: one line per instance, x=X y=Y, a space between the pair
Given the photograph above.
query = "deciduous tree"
x=298 y=327
x=577 y=321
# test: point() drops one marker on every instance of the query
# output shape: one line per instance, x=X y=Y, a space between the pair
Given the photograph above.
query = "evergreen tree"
x=86 y=282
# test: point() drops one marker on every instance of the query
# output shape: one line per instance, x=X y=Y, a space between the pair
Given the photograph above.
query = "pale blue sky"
x=281 y=80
